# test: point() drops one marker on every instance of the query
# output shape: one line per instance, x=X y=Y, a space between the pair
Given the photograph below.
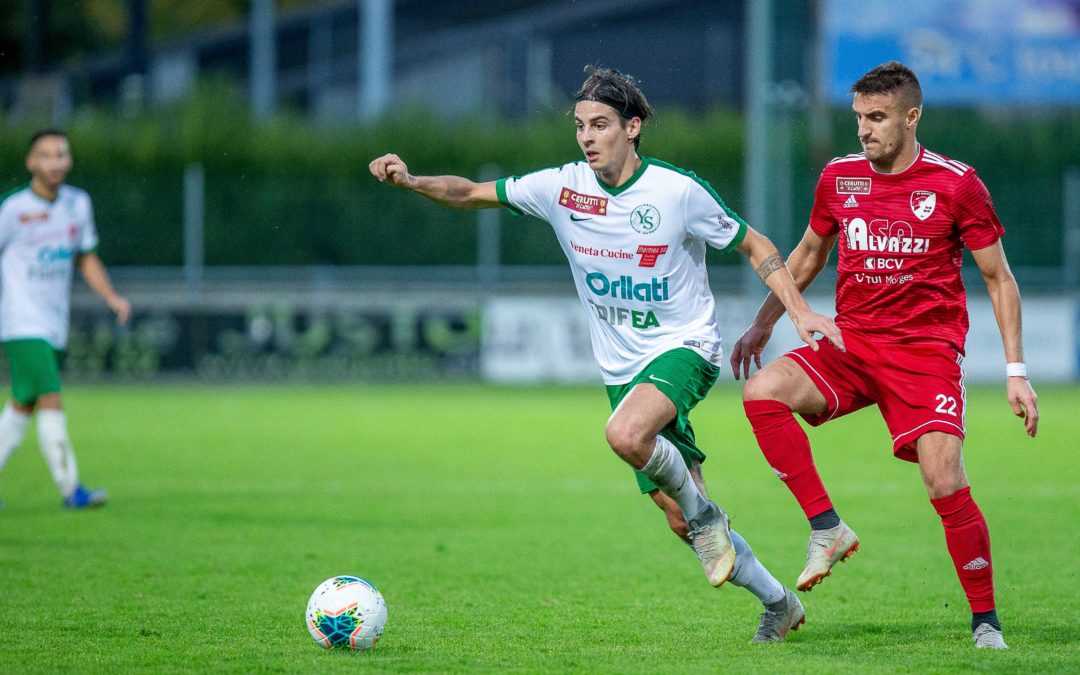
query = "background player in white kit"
x=46 y=229
x=634 y=231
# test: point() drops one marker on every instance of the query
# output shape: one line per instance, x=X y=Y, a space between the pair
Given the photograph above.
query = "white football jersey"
x=39 y=241
x=637 y=253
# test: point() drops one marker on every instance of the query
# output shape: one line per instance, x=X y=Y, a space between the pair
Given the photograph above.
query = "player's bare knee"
x=763 y=386
x=50 y=401
x=626 y=442
x=943 y=486
x=944 y=480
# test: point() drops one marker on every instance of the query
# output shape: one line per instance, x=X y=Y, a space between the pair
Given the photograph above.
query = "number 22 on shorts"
x=946 y=404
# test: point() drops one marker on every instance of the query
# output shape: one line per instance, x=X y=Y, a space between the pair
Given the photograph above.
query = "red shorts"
x=917 y=387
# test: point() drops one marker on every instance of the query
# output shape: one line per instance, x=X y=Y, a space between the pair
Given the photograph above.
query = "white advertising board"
x=546 y=339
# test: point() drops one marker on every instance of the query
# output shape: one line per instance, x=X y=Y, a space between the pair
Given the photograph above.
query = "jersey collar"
x=616 y=191
x=44 y=200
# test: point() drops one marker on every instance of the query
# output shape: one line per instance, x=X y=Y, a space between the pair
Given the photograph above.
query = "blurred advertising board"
x=503 y=339
x=1051 y=340
x=536 y=339
x=278 y=341
x=965 y=52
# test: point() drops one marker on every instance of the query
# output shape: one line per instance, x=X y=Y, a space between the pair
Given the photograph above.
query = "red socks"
x=787 y=450
x=968 y=540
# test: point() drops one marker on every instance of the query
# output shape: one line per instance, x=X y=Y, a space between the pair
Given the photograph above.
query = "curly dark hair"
x=618 y=90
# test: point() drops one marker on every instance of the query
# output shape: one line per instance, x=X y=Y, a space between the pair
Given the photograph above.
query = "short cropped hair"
x=890 y=77
x=42 y=133
x=618 y=90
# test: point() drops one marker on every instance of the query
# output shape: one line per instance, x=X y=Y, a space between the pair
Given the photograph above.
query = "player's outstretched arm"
x=93 y=271
x=804 y=264
x=770 y=267
x=1005 y=298
x=452 y=191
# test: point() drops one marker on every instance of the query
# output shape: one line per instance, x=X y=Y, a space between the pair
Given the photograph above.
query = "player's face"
x=604 y=137
x=885 y=126
x=49 y=161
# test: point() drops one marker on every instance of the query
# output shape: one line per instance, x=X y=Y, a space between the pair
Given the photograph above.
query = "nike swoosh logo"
x=573 y=217
x=657 y=379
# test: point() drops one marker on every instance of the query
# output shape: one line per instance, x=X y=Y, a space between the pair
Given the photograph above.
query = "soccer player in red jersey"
x=902 y=215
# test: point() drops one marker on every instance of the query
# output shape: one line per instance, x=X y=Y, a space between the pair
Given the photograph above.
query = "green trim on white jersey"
x=500 y=186
x=500 y=190
x=709 y=188
x=637 y=254
x=616 y=191
x=40 y=240
x=13 y=191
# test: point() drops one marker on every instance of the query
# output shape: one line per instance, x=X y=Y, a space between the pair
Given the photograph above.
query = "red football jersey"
x=900 y=244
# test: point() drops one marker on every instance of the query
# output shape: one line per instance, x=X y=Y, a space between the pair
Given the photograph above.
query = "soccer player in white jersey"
x=46 y=230
x=635 y=230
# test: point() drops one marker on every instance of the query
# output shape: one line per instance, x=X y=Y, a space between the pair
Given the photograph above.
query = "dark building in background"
x=514 y=57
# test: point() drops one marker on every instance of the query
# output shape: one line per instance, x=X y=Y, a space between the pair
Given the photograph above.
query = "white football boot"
x=774 y=626
x=711 y=539
x=988 y=637
x=826 y=548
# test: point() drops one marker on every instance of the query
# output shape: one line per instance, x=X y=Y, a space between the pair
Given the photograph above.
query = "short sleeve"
x=533 y=193
x=975 y=215
x=8 y=223
x=708 y=218
x=88 y=237
x=821 y=220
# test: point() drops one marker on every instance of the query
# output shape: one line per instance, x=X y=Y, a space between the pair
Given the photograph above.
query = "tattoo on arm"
x=770 y=265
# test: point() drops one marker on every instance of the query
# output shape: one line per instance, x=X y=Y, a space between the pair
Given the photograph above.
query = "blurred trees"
x=290 y=193
x=75 y=29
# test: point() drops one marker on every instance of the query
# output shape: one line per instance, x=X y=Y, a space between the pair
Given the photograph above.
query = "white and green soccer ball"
x=347 y=612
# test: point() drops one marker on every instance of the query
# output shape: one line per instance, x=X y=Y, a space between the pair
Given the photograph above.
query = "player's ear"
x=913 y=116
x=633 y=128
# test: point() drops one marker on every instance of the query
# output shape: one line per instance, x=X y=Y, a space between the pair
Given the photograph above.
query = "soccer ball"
x=346 y=612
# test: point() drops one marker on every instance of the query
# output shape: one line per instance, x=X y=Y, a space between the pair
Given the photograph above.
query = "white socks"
x=667 y=469
x=12 y=431
x=56 y=449
x=750 y=574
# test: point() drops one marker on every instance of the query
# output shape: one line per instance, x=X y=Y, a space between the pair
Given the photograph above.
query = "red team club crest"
x=576 y=201
x=923 y=203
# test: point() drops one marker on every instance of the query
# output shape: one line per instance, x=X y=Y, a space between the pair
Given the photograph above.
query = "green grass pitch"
x=505 y=536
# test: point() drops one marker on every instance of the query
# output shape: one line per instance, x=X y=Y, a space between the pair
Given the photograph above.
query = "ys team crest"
x=645 y=219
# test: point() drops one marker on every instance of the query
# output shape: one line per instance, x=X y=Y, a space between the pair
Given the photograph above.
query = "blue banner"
x=992 y=52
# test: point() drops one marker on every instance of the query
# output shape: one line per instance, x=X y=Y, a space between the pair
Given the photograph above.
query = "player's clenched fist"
x=390 y=169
